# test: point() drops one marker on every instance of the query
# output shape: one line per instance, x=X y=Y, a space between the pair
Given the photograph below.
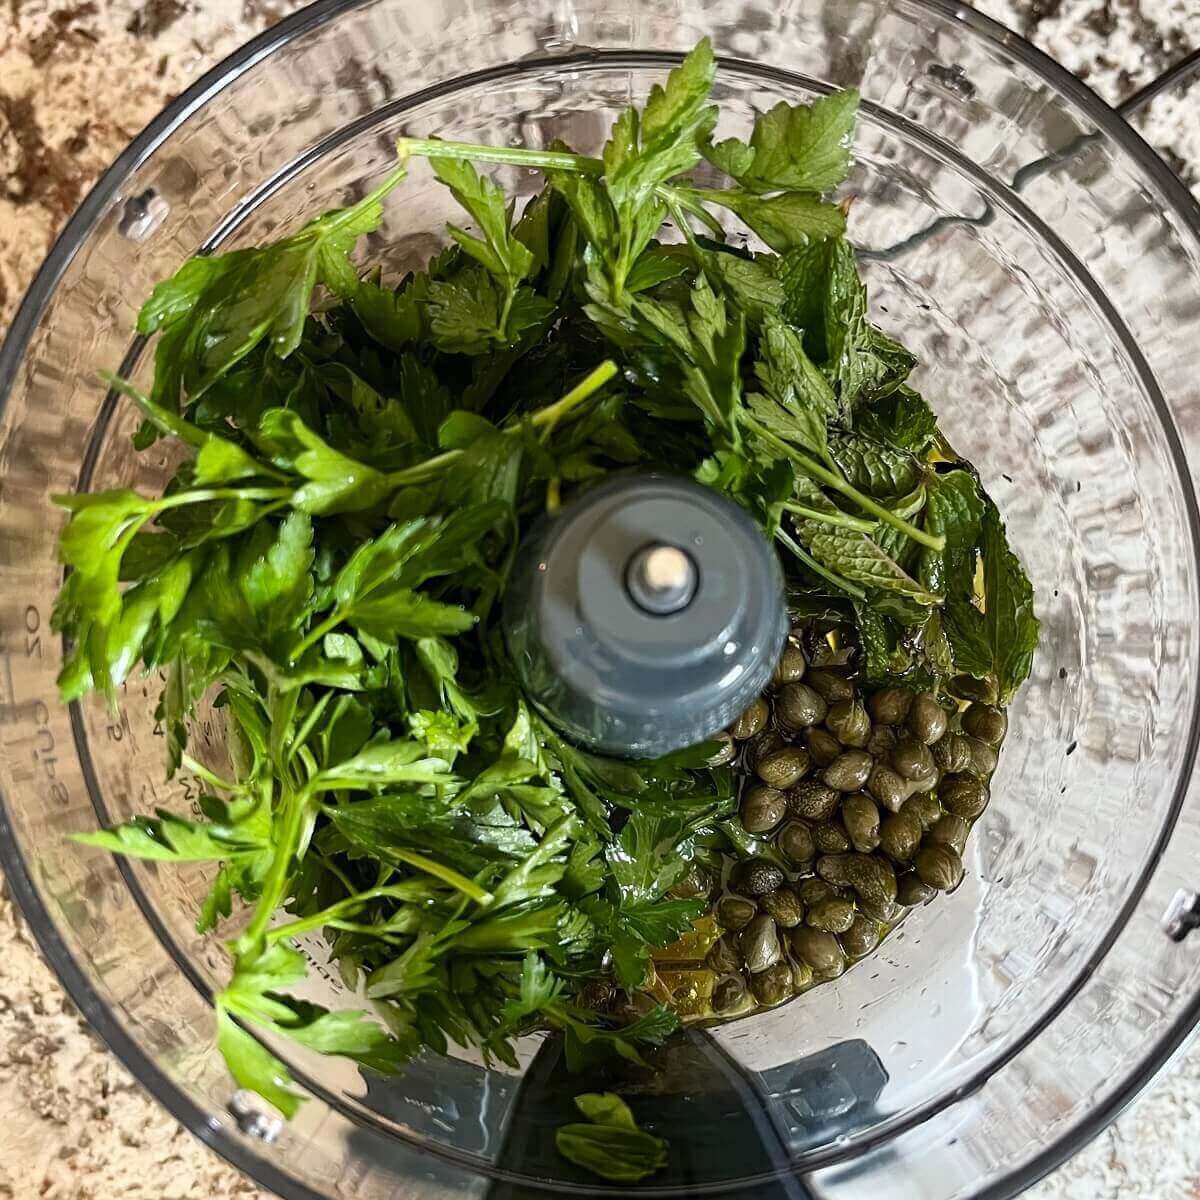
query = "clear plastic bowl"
x=1057 y=327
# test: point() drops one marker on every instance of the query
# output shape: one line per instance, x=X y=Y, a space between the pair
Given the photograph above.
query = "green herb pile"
x=329 y=558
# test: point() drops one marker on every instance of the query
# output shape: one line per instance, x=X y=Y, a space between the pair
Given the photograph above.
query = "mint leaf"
x=876 y=468
x=902 y=419
x=803 y=274
x=862 y=361
x=751 y=282
x=853 y=555
x=798 y=402
x=955 y=510
x=998 y=643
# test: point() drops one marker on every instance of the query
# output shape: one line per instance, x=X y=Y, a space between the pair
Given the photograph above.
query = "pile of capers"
x=858 y=802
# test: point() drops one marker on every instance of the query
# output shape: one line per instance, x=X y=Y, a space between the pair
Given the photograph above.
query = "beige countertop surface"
x=73 y=1124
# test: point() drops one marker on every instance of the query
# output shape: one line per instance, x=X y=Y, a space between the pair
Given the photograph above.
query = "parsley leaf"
x=794 y=147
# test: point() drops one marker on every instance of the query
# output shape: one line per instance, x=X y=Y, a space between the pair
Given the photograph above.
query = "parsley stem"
x=548 y=416
x=201 y=495
x=546 y=160
x=841 y=519
x=831 y=479
x=467 y=886
x=202 y=772
x=592 y=382
x=689 y=200
x=291 y=824
x=330 y=623
x=304 y=924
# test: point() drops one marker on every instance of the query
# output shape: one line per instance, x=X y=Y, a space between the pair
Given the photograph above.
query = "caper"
x=860 y=815
x=759 y=944
x=723 y=956
x=762 y=808
x=823 y=747
x=784 y=906
x=814 y=889
x=847 y=720
x=726 y=750
x=695 y=883
x=755 y=877
x=983 y=757
x=798 y=706
x=986 y=722
x=729 y=994
x=834 y=916
x=900 y=835
x=862 y=937
x=825 y=655
x=773 y=985
x=795 y=842
x=951 y=830
x=939 y=866
x=951 y=753
x=964 y=795
x=926 y=718
x=890 y=706
x=926 y=808
x=913 y=760
x=849 y=771
x=735 y=913
x=781 y=768
x=884 y=911
x=869 y=875
x=791 y=666
x=966 y=687
x=819 y=949
x=831 y=686
x=911 y=890
x=889 y=788
x=882 y=741
x=759 y=747
x=599 y=995
x=830 y=837
x=802 y=976
x=812 y=800
x=751 y=721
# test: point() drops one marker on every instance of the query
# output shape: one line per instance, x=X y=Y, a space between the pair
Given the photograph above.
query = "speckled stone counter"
x=74 y=1124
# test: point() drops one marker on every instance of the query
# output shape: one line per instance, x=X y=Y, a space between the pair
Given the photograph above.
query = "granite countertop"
x=75 y=1124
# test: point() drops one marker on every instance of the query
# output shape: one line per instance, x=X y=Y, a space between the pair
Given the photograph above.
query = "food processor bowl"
x=1055 y=312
